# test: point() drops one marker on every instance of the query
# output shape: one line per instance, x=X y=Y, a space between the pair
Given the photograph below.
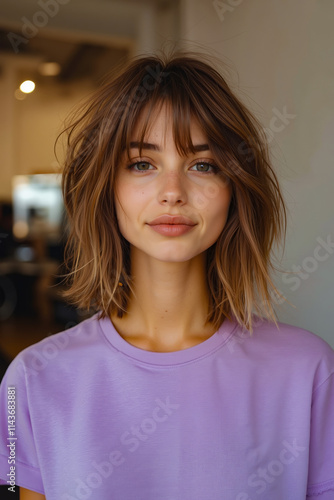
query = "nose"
x=172 y=189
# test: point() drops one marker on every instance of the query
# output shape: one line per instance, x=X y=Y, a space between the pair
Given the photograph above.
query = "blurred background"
x=280 y=62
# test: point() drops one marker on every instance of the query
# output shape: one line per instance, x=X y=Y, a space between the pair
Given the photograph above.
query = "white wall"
x=281 y=55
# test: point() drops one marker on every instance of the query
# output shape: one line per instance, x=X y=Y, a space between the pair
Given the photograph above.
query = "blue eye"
x=205 y=167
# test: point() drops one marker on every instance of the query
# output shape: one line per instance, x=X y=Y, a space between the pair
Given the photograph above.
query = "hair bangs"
x=141 y=116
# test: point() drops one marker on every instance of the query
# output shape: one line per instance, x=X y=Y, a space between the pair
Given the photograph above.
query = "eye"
x=205 y=167
x=140 y=166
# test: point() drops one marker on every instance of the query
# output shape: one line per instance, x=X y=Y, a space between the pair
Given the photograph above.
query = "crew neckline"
x=217 y=339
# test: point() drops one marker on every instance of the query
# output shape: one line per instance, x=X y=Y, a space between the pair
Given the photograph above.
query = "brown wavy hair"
x=98 y=256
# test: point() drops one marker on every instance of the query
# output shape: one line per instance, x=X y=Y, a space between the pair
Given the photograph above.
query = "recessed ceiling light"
x=27 y=86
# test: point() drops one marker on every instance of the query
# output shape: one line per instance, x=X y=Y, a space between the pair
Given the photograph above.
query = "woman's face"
x=163 y=183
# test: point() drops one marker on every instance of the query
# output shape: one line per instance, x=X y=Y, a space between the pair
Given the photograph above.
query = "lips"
x=172 y=220
x=172 y=225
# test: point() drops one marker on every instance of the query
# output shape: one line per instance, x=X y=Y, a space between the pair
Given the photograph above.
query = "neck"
x=169 y=307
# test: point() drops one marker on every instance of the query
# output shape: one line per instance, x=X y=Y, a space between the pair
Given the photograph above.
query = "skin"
x=169 y=309
x=30 y=495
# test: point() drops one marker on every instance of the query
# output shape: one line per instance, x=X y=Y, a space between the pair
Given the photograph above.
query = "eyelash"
x=213 y=167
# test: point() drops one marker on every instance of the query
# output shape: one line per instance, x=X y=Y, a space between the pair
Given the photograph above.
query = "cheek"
x=130 y=202
x=211 y=196
x=223 y=203
x=132 y=192
x=219 y=209
x=214 y=200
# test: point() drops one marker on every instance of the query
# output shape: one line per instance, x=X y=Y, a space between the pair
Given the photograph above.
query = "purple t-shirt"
x=237 y=417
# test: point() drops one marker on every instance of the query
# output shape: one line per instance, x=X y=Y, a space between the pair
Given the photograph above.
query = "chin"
x=175 y=256
x=171 y=251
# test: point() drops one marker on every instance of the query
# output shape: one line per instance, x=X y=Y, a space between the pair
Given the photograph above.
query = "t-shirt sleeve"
x=321 y=459
x=18 y=456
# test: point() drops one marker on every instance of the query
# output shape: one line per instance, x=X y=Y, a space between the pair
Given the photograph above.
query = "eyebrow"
x=155 y=147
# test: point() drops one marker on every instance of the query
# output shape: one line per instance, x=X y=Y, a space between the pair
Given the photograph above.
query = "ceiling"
x=77 y=59
x=85 y=37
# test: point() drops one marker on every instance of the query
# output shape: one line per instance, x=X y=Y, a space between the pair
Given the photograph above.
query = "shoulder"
x=292 y=335
x=62 y=350
x=287 y=347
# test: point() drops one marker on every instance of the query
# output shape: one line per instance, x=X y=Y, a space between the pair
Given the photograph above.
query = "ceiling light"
x=27 y=86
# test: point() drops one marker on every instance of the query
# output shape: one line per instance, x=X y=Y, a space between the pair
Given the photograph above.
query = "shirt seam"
x=323 y=382
x=172 y=365
x=37 y=468
x=319 y=488
x=23 y=463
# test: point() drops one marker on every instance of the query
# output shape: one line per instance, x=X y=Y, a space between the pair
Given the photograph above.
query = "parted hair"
x=97 y=256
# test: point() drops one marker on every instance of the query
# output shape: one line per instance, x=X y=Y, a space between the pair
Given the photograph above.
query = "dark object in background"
x=9 y=495
x=16 y=296
x=6 y=230
x=4 y=363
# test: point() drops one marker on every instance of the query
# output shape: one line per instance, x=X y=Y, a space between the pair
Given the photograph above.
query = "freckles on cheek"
x=135 y=196
x=133 y=201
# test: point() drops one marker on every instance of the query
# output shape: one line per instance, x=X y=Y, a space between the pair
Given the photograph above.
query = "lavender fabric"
x=237 y=417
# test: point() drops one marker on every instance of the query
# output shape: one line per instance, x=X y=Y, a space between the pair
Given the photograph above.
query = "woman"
x=182 y=385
